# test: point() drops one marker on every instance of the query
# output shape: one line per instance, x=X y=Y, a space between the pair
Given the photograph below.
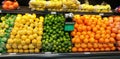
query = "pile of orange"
x=115 y=24
x=93 y=33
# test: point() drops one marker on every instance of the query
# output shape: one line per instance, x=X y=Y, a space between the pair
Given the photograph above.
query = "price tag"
x=53 y=13
x=0 y=11
x=86 y=52
x=101 y=14
x=0 y=53
x=47 y=52
x=66 y=15
x=71 y=15
x=12 y=53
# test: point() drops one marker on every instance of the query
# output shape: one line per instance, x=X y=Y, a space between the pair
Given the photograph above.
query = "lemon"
x=27 y=41
x=37 y=50
x=17 y=36
x=26 y=51
x=10 y=50
x=31 y=46
x=14 y=46
x=8 y=46
x=20 y=51
x=35 y=30
x=20 y=46
x=35 y=35
x=23 y=42
x=18 y=41
x=41 y=18
x=31 y=37
x=19 y=15
x=23 y=37
x=15 y=50
x=10 y=41
x=25 y=46
x=40 y=32
x=39 y=38
x=34 y=41
x=29 y=32
x=14 y=32
x=31 y=50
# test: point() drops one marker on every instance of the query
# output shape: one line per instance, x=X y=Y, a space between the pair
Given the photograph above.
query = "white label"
x=47 y=52
x=53 y=12
x=0 y=54
x=86 y=52
x=0 y=11
x=12 y=53
x=101 y=14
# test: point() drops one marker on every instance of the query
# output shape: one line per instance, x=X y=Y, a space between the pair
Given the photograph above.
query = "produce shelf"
x=85 y=55
x=25 y=9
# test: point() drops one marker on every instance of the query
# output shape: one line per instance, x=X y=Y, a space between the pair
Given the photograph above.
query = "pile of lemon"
x=26 y=35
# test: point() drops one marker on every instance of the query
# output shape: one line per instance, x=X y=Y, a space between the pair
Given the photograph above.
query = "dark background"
x=113 y=3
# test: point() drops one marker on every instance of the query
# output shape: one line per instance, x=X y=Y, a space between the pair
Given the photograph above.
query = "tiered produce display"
x=26 y=35
x=93 y=33
x=6 y=25
x=55 y=39
x=68 y=5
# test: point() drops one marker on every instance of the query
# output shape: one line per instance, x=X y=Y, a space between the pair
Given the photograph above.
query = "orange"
x=103 y=36
x=80 y=49
x=107 y=40
x=113 y=48
x=82 y=37
x=113 y=35
x=77 y=45
x=83 y=45
x=94 y=29
x=98 y=26
x=96 y=41
x=86 y=49
x=76 y=25
x=74 y=49
x=73 y=40
x=91 y=40
x=97 y=49
x=95 y=45
x=111 y=45
x=107 y=49
x=98 y=32
x=105 y=45
x=90 y=45
x=101 y=40
x=114 y=30
x=100 y=45
x=118 y=37
x=85 y=40
x=78 y=33
x=108 y=31
x=102 y=49
x=77 y=40
x=119 y=31
x=87 y=36
x=92 y=49
x=84 y=33
x=97 y=36
x=112 y=40
x=73 y=33
x=79 y=28
x=88 y=28
x=108 y=28
x=107 y=35
x=84 y=28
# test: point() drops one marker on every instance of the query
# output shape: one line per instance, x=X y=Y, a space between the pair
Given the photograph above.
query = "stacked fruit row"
x=26 y=35
x=6 y=25
x=54 y=37
x=93 y=33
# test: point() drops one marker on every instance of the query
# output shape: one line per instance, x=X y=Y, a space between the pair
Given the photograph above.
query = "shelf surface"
x=85 y=55
x=26 y=9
